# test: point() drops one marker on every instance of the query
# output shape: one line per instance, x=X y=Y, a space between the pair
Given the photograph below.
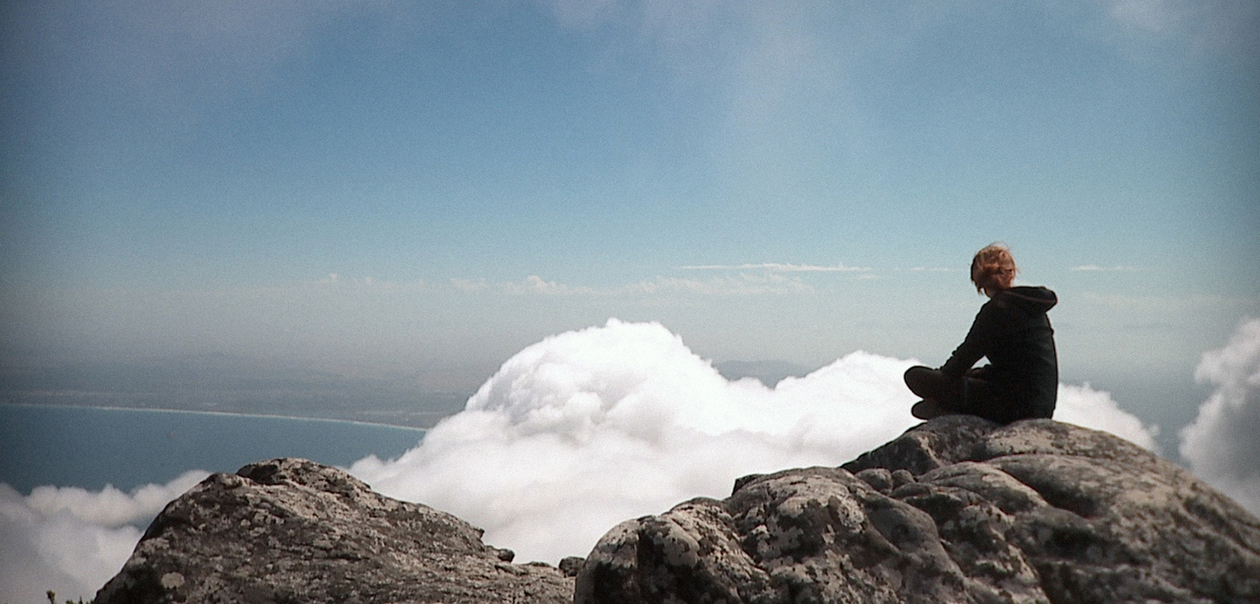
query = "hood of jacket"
x=1030 y=299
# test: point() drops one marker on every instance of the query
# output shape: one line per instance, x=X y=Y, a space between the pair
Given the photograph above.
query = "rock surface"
x=291 y=530
x=955 y=510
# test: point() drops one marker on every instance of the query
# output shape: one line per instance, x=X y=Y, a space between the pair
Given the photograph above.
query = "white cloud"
x=109 y=506
x=591 y=427
x=588 y=428
x=70 y=540
x=1222 y=445
x=1095 y=409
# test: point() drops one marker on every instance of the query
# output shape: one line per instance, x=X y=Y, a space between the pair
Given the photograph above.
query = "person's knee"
x=911 y=376
x=906 y=376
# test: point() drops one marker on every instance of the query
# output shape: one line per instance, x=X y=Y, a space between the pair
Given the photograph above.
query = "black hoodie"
x=1013 y=331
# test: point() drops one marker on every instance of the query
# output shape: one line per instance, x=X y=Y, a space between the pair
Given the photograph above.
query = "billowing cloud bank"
x=71 y=540
x=588 y=428
x=571 y=436
x=1223 y=444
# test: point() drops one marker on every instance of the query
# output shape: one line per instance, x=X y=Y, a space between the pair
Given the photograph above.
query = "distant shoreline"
x=216 y=413
x=91 y=447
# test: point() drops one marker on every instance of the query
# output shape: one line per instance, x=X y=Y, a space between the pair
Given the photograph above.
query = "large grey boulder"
x=955 y=510
x=291 y=530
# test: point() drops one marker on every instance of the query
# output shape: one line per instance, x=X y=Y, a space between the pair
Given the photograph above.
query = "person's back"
x=1023 y=358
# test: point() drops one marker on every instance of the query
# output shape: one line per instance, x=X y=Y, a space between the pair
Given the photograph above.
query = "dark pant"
x=970 y=394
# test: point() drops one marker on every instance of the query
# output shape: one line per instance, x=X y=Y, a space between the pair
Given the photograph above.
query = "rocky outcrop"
x=291 y=530
x=955 y=510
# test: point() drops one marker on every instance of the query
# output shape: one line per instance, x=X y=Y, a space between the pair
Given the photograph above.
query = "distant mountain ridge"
x=768 y=373
x=957 y=509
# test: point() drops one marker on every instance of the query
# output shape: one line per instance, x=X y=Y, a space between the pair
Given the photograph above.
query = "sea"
x=91 y=447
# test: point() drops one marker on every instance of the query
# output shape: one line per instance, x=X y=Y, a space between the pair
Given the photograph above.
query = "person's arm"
x=978 y=343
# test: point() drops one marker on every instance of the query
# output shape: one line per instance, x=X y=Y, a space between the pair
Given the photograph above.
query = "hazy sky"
x=426 y=188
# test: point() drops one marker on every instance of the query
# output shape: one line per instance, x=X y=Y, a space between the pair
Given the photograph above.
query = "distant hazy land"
x=228 y=384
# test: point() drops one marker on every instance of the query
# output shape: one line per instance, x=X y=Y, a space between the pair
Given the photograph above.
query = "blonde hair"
x=993 y=268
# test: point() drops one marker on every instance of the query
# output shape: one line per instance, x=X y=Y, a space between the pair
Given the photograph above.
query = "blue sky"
x=422 y=189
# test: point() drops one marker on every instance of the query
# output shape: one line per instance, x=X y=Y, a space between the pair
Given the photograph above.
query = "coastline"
x=92 y=447
x=215 y=413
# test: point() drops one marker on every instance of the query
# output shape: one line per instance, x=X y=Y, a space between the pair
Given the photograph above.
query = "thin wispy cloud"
x=532 y=284
x=1150 y=15
x=777 y=267
x=741 y=285
x=1094 y=268
x=1198 y=24
x=336 y=280
x=723 y=286
x=1168 y=305
x=931 y=269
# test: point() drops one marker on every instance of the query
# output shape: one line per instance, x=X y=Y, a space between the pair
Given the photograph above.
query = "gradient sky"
x=423 y=189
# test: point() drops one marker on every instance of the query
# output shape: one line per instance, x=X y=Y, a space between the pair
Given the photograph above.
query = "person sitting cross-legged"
x=1012 y=330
